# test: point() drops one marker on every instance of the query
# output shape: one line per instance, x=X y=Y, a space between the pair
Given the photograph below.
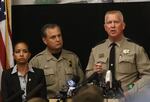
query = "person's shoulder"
x=134 y=42
x=69 y=52
x=8 y=70
x=37 y=70
x=37 y=99
x=100 y=43
x=40 y=54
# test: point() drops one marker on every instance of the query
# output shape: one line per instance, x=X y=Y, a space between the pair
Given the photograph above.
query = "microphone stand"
x=63 y=96
x=115 y=92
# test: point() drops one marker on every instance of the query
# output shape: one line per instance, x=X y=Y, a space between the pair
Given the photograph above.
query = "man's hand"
x=98 y=67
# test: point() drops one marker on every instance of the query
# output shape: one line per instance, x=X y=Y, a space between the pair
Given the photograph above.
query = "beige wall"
x=16 y=2
x=28 y=2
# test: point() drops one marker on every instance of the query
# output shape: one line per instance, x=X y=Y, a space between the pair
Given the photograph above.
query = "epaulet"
x=101 y=42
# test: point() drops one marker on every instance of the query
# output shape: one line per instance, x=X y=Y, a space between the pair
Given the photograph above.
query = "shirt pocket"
x=50 y=76
x=127 y=63
x=69 y=72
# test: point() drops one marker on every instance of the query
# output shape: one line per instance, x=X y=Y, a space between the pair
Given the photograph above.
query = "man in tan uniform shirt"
x=59 y=65
x=132 y=63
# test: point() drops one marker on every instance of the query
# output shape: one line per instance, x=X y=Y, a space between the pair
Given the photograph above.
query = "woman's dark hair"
x=21 y=41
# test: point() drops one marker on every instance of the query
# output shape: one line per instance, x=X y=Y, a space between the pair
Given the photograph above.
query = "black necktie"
x=112 y=61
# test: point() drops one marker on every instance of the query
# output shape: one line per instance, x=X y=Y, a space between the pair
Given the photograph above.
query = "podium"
x=105 y=100
x=70 y=100
x=114 y=100
x=57 y=100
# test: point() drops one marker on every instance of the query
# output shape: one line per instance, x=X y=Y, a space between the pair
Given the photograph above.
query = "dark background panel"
x=82 y=24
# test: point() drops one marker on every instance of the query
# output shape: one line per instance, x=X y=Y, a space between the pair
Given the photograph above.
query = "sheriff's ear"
x=44 y=40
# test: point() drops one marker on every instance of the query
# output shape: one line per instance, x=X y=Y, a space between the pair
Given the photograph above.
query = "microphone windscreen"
x=73 y=82
x=108 y=78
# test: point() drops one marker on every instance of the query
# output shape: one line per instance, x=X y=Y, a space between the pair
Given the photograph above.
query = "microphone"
x=34 y=91
x=108 y=79
x=16 y=95
x=72 y=84
x=69 y=87
x=67 y=90
x=112 y=88
x=93 y=78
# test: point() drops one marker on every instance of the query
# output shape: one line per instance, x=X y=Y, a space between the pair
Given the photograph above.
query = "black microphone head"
x=22 y=92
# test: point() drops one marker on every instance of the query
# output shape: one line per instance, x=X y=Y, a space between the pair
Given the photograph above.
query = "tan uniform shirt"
x=131 y=62
x=57 y=71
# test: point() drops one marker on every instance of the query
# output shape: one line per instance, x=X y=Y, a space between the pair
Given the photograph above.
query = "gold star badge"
x=126 y=51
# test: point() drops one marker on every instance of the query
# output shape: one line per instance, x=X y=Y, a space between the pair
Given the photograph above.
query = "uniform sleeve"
x=79 y=70
x=143 y=62
x=143 y=66
x=89 y=68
